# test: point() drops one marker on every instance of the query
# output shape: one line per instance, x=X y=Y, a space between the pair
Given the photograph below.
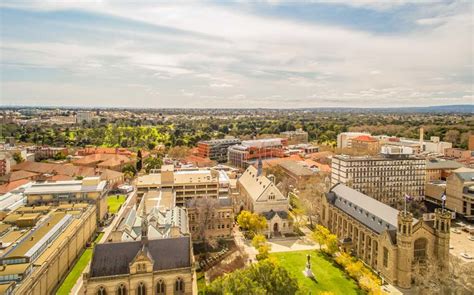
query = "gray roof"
x=296 y=168
x=442 y=164
x=270 y=214
x=370 y=212
x=114 y=258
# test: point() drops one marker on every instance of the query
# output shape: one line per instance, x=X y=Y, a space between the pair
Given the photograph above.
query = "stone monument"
x=307 y=272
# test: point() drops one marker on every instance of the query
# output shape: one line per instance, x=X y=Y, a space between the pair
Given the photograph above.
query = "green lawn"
x=114 y=202
x=327 y=276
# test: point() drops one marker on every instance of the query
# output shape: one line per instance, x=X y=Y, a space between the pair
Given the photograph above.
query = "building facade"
x=344 y=139
x=386 y=178
x=249 y=151
x=460 y=192
x=216 y=149
x=365 y=144
x=391 y=242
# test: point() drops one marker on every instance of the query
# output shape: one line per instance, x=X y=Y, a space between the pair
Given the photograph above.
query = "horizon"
x=275 y=54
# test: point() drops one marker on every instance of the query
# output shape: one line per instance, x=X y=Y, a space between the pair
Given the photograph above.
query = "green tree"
x=18 y=158
x=152 y=162
x=320 y=235
x=129 y=170
x=260 y=243
x=251 y=222
x=139 y=160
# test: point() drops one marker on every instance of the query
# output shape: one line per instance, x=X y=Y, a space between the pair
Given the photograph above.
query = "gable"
x=272 y=194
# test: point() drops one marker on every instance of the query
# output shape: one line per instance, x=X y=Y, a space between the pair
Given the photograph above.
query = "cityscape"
x=262 y=147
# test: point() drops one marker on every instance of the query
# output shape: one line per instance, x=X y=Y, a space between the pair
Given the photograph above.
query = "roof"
x=270 y=214
x=114 y=258
x=64 y=187
x=13 y=269
x=442 y=164
x=50 y=168
x=21 y=174
x=103 y=160
x=297 y=168
x=7 y=187
x=364 y=138
x=370 y=212
x=466 y=174
x=255 y=185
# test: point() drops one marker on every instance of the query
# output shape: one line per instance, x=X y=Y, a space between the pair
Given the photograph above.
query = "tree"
x=263 y=277
x=129 y=170
x=452 y=136
x=251 y=222
x=18 y=158
x=312 y=191
x=178 y=152
x=152 y=162
x=139 y=160
x=320 y=235
x=59 y=156
x=205 y=210
x=260 y=243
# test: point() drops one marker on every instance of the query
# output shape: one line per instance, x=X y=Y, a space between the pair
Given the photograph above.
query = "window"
x=419 y=249
x=122 y=290
x=141 y=289
x=179 y=286
x=101 y=291
x=385 y=257
x=160 y=288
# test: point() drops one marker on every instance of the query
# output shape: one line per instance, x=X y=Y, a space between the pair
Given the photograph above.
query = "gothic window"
x=101 y=291
x=179 y=286
x=419 y=249
x=385 y=257
x=271 y=197
x=160 y=288
x=122 y=290
x=141 y=289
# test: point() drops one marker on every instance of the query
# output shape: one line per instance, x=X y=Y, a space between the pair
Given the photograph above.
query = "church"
x=259 y=194
x=155 y=266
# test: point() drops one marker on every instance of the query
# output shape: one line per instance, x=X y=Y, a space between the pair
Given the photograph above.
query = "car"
x=456 y=231
x=466 y=256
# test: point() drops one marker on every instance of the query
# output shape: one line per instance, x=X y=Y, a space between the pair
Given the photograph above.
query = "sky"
x=236 y=54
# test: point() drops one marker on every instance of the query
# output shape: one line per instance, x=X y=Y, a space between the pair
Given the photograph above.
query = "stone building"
x=389 y=241
x=365 y=144
x=386 y=178
x=260 y=195
x=160 y=266
x=460 y=192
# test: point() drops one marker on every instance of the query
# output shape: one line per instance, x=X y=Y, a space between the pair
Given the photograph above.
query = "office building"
x=249 y=151
x=216 y=149
x=386 y=177
x=391 y=242
x=440 y=169
x=344 y=139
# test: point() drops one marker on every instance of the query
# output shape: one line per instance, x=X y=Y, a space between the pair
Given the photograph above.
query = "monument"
x=307 y=272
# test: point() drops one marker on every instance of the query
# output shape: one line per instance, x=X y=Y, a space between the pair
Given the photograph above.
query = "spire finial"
x=259 y=167
x=144 y=226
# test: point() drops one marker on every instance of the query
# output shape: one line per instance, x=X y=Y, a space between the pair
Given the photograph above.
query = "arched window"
x=419 y=249
x=121 y=290
x=179 y=286
x=141 y=289
x=101 y=291
x=160 y=288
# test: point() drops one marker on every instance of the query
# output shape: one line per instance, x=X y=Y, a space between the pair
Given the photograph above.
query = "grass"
x=77 y=270
x=201 y=281
x=328 y=277
x=114 y=202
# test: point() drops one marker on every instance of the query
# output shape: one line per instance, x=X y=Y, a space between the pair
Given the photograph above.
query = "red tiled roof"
x=365 y=138
x=5 y=188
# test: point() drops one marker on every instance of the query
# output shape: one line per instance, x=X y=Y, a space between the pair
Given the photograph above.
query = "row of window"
x=160 y=288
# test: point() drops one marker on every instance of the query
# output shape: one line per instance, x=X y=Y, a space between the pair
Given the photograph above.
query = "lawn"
x=114 y=202
x=327 y=276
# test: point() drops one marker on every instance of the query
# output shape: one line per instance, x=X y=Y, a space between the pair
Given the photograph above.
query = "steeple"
x=144 y=226
x=259 y=167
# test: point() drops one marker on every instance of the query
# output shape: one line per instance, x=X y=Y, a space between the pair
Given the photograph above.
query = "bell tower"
x=442 y=226
x=405 y=248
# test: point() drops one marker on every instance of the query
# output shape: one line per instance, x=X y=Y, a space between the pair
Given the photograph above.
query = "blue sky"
x=236 y=54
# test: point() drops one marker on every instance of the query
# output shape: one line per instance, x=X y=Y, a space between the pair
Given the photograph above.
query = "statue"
x=307 y=272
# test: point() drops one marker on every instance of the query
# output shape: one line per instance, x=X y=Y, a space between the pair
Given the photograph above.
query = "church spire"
x=259 y=167
x=144 y=226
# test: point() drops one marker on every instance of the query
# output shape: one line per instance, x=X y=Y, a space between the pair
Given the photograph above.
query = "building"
x=386 y=177
x=216 y=149
x=344 y=139
x=470 y=145
x=465 y=157
x=301 y=149
x=90 y=190
x=186 y=184
x=365 y=144
x=84 y=117
x=460 y=192
x=6 y=161
x=105 y=161
x=295 y=137
x=249 y=151
x=439 y=169
x=298 y=172
x=160 y=266
x=47 y=152
x=389 y=241
x=38 y=256
x=260 y=195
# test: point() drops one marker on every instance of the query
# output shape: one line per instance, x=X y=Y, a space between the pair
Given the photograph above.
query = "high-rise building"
x=388 y=240
x=386 y=177
x=216 y=149
x=249 y=151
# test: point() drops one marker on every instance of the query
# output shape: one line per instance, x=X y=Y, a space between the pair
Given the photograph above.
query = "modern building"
x=386 y=177
x=344 y=139
x=249 y=151
x=38 y=256
x=186 y=184
x=440 y=169
x=460 y=192
x=216 y=149
x=147 y=266
x=391 y=242
x=260 y=195
x=90 y=190
x=295 y=137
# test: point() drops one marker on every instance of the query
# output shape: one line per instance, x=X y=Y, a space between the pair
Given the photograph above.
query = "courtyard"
x=328 y=277
x=114 y=202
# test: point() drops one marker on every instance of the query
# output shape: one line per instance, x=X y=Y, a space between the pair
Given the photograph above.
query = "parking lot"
x=460 y=243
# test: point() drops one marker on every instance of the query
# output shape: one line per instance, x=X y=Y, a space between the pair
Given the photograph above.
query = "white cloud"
x=220 y=85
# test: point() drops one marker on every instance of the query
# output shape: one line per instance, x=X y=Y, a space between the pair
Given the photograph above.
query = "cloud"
x=220 y=85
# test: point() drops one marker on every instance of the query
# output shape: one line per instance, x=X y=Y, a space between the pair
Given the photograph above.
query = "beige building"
x=259 y=194
x=439 y=169
x=460 y=192
x=160 y=266
x=365 y=145
x=389 y=241
x=217 y=218
x=37 y=258
x=186 y=184
x=386 y=178
x=90 y=189
x=344 y=139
